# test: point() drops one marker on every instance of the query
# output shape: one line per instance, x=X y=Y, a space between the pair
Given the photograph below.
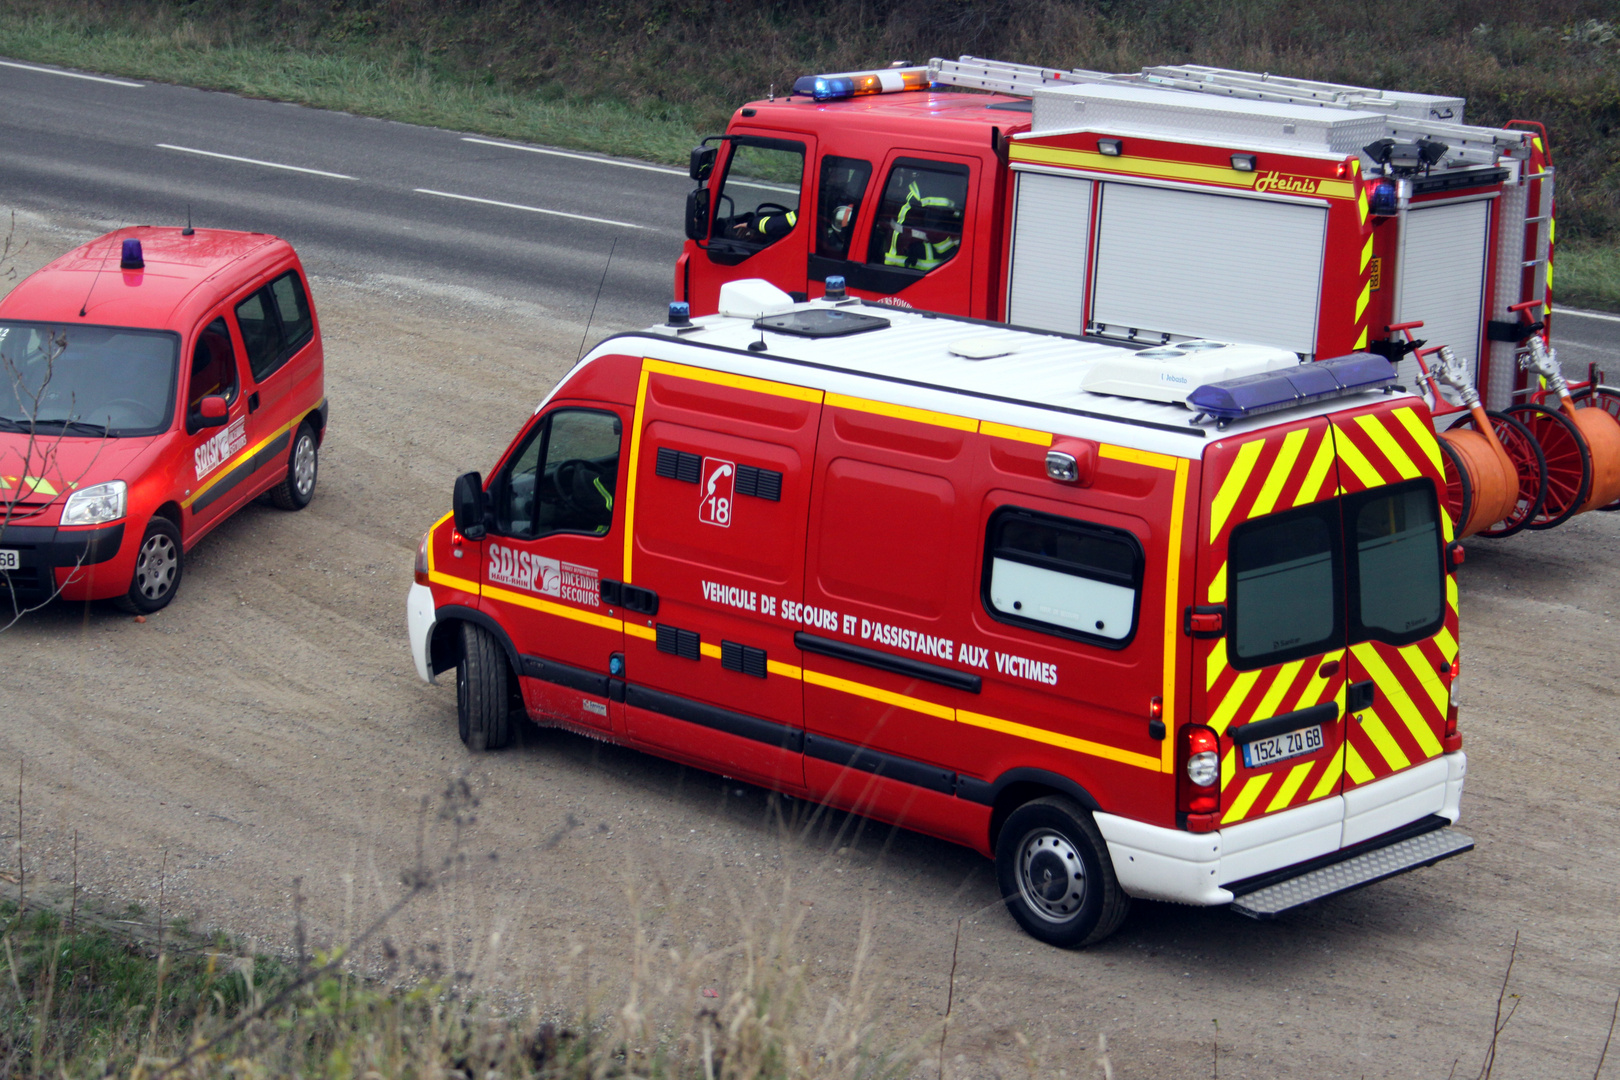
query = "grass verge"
x=1587 y=276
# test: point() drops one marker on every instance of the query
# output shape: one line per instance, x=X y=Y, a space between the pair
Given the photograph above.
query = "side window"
x=563 y=478
x=1397 y=574
x=1062 y=576
x=838 y=203
x=213 y=366
x=759 y=200
x=275 y=323
x=1286 y=579
x=919 y=221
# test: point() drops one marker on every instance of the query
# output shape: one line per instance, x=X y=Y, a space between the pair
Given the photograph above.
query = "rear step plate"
x=1353 y=873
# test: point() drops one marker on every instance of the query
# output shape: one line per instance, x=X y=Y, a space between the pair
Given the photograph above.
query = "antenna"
x=86 y=305
x=188 y=230
x=592 y=318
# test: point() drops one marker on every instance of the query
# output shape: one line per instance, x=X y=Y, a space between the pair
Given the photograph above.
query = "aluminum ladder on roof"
x=1020 y=80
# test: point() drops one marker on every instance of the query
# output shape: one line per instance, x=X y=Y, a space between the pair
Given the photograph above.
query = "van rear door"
x=1272 y=685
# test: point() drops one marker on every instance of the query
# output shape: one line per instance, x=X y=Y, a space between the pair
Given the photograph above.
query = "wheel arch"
x=444 y=645
x=1015 y=787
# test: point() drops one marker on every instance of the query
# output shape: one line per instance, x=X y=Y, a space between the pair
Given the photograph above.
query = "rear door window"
x=1062 y=576
x=919 y=220
x=1397 y=572
x=1287 y=581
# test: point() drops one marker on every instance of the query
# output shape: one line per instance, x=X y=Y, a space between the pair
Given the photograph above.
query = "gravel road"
x=268 y=729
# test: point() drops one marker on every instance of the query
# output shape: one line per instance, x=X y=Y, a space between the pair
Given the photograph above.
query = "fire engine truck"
x=1172 y=621
x=1173 y=203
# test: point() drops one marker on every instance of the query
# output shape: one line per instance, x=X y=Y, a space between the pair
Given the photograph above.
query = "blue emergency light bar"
x=1271 y=391
x=848 y=84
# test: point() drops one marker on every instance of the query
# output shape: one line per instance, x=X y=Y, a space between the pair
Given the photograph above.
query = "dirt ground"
x=268 y=728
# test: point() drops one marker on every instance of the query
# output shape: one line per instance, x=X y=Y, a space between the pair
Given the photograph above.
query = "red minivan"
x=155 y=380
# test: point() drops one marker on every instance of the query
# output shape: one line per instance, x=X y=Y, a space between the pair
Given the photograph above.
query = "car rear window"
x=275 y=323
x=1286 y=572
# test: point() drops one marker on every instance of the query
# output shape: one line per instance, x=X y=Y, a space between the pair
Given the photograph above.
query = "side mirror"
x=702 y=163
x=468 y=505
x=697 y=214
x=212 y=411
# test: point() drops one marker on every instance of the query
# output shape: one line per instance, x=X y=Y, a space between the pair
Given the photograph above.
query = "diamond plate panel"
x=1361 y=870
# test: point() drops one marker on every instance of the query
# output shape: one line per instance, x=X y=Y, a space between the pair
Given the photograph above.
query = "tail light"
x=1451 y=742
x=1199 y=782
x=422 y=559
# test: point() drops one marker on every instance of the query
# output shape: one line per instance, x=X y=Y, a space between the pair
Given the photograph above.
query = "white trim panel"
x=1051 y=236
x=1373 y=809
x=1263 y=845
x=420 y=615
x=1164 y=864
x=1452 y=810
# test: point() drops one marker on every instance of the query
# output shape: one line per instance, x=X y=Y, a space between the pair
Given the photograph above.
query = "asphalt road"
x=361 y=197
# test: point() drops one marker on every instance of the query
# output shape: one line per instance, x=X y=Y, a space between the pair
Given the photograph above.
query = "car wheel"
x=1056 y=875
x=303 y=468
x=159 y=563
x=483 y=692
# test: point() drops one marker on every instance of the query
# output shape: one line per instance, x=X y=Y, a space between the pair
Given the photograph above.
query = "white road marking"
x=1577 y=313
x=576 y=157
x=530 y=209
x=255 y=161
x=68 y=74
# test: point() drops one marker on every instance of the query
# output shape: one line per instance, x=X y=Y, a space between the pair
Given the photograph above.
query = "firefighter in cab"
x=766 y=225
x=925 y=233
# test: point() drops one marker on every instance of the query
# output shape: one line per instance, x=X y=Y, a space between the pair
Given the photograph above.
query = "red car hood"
x=33 y=477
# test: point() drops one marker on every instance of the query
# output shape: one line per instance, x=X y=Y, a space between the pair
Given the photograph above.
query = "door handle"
x=1360 y=695
x=629 y=597
x=253 y=402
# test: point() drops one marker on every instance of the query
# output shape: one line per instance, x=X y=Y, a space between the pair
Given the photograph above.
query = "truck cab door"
x=1401 y=607
x=1269 y=659
x=555 y=535
x=756 y=228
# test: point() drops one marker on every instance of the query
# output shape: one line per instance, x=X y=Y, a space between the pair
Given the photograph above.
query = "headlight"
x=96 y=504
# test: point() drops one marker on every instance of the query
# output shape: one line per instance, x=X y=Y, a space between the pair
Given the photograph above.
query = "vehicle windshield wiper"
x=8 y=424
x=76 y=425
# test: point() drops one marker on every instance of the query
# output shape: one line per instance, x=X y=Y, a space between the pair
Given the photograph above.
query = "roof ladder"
x=1020 y=80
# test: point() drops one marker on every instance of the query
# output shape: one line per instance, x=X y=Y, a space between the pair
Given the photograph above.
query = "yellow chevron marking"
x=1233 y=701
x=927 y=708
x=1361 y=206
x=1051 y=738
x=1354 y=765
x=1140 y=457
x=1448 y=645
x=1233 y=485
x=1358 y=464
x=1361 y=301
x=1217 y=586
x=1366 y=254
x=1274 y=693
x=1361 y=339
x=1215 y=664
x=1329 y=782
x=1312 y=694
x=1228 y=767
x=1281 y=470
x=546 y=606
x=1320 y=464
x=1427 y=677
x=1382 y=439
x=1392 y=691
x=1372 y=725
x=1251 y=791
x=1296 y=777
x=1422 y=435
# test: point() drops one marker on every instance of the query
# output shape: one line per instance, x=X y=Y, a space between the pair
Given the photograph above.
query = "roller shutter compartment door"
x=1441 y=278
x=1051 y=235
x=1211 y=266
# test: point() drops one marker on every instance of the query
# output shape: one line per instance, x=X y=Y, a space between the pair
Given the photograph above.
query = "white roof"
x=1035 y=384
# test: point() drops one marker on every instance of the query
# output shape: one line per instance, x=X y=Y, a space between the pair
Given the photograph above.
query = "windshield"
x=87 y=380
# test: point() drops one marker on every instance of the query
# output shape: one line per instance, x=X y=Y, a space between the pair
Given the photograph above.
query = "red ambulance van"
x=1173 y=622
x=155 y=380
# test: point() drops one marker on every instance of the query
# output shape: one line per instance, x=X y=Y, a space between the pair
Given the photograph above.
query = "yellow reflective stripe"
x=1329 y=783
x=646 y=633
x=1173 y=170
x=1228 y=768
x=1391 y=750
x=1296 y=777
x=1274 y=693
x=1354 y=765
x=776 y=667
x=1359 y=464
x=1361 y=339
x=1312 y=694
x=1366 y=254
x=726 y=378
x=223 y=468
x=1215 y=663
x=1139 y=457
x=711 y=651
x=635 y=468
x=1233 y=485
x=1007 y=431
x=1317 y=472
x=1385 y=442
x=1447 y=643
x=1427 y=677
x=1217 y=586
x=1233 y=701
x=1281 y=470
x=589 y=618
x=1251 y=791
x=1052 y=738
x=1361 y=206
x=1421 y=434
x=463 y=584
x=1405 y=708
x=1361 y=301
x=902 y=412
x=1172 y=605
x=873 y=693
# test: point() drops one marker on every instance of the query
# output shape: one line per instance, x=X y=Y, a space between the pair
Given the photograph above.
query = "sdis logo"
x=219 y=448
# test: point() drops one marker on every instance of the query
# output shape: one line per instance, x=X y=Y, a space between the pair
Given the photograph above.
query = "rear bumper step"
x=1268 y=897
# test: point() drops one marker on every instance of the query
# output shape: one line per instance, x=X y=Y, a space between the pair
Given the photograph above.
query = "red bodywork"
x=194 y=478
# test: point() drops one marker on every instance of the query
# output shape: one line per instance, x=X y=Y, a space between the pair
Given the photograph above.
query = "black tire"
x=1052 y=842
x=303 y=469
x=483 y=691
x=159 y=563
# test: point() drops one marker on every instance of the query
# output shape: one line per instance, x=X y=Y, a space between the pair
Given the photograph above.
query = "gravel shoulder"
x=266 y=735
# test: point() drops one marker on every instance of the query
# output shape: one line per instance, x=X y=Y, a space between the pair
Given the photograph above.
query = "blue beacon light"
x=1272 y=391
x=130 y=258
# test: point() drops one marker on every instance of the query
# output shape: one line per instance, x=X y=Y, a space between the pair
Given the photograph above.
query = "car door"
x=764 y=181
x=555 y=534
x=277 y=328
x=216 y=479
